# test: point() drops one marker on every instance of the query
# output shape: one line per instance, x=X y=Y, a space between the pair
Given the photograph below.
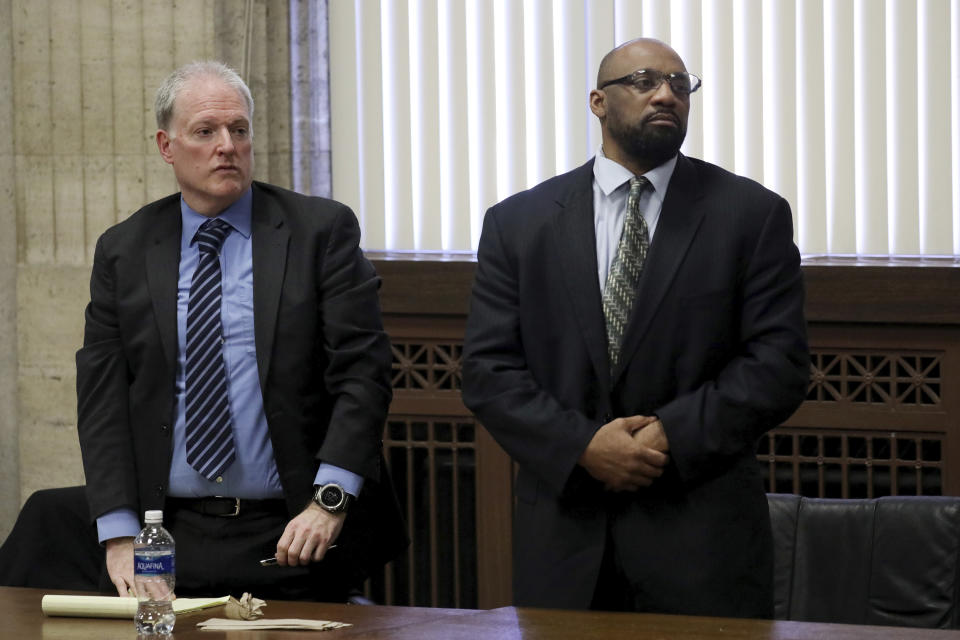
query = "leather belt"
x=224 y=507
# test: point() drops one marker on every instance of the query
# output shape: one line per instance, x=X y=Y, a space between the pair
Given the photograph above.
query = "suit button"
x=165 y=429
x=158 y=489
x=607 y=418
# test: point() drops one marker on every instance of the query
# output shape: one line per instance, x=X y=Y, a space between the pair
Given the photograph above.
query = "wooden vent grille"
x=901 y=380
x=432 y=461
x=864 y=464
x=427 y=366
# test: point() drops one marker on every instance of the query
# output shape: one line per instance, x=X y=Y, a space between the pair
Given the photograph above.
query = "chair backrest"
x=884 y=561
x=53 y=544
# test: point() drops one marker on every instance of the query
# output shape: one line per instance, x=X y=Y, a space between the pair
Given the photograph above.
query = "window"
x=847 y=108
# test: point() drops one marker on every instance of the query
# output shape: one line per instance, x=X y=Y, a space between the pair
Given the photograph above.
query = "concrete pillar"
x=9 y=434
x=310 y=56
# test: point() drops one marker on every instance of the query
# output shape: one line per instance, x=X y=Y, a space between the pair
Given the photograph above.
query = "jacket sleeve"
x=498 y=385
x=102 y=397
x=765 y=380
x=357 y=375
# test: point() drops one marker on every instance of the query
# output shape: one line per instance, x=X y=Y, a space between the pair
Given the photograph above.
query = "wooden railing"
x=882 y=415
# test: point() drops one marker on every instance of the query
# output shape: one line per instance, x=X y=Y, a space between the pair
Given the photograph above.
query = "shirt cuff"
x=351 y=482
x=119 y=523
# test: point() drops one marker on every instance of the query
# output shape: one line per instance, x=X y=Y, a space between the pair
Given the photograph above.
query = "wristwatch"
x=332 y=497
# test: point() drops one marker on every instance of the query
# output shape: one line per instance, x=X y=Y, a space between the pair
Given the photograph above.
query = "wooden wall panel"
x=882 y=415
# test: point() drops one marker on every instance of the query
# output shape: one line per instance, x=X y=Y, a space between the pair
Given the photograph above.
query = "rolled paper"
x=115 y=606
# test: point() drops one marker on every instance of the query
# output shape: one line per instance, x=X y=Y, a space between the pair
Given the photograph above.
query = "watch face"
x=331 y=496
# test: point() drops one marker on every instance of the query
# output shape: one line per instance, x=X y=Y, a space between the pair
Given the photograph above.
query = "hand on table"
x=120 y=565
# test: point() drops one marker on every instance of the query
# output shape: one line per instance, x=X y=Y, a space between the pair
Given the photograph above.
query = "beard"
x=650 y=143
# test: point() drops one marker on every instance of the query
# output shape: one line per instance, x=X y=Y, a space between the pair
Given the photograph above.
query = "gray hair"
x=175 y=82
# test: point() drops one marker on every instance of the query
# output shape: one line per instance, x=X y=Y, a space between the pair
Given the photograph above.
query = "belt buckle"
x=236 y=507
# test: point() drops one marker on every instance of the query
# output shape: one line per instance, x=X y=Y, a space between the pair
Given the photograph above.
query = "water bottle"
x=153 y=575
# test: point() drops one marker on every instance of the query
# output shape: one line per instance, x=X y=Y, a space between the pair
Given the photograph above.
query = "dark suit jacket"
x=715 y=346
x=323 y=358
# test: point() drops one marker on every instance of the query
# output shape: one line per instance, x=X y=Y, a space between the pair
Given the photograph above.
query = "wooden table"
x=22 y=619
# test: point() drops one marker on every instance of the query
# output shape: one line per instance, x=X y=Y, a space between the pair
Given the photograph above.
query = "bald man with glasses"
x=636 y=326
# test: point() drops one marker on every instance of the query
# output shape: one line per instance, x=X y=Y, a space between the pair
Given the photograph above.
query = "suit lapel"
x=270 y=241
x=162 y=262
x=577 y=251
x=680 y=218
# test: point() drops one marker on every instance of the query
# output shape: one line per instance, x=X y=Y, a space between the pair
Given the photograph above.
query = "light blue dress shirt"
x=610 y=180
x=253 y=474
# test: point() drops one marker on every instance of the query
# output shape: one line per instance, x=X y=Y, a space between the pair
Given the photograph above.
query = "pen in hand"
x=272 y=562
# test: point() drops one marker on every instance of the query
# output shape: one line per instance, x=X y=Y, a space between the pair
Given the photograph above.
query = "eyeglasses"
x=644 y=80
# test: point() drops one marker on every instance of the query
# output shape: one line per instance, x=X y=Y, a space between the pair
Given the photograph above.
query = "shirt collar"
x=237 y=215
x=610 y=174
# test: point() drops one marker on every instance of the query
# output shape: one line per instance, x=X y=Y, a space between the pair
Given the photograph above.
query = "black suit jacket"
x=322 y=355
x=715 y=346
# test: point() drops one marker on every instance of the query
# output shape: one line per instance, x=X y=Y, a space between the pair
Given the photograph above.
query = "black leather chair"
x=886 y=561
x=53 y=545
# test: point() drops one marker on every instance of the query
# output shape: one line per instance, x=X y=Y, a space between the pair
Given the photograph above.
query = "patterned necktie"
x=621 y=287
x=209 y=435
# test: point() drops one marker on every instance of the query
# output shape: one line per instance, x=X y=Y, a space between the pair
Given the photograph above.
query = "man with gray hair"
x=235 y=372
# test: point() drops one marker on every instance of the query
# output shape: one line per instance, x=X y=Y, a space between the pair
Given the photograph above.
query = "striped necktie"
x=620 y=290
x=209 y=434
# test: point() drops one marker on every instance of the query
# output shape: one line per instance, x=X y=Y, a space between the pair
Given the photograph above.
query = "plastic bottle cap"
x=153 y=516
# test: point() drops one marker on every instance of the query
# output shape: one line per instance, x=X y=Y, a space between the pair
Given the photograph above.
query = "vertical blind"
x=847 y=108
